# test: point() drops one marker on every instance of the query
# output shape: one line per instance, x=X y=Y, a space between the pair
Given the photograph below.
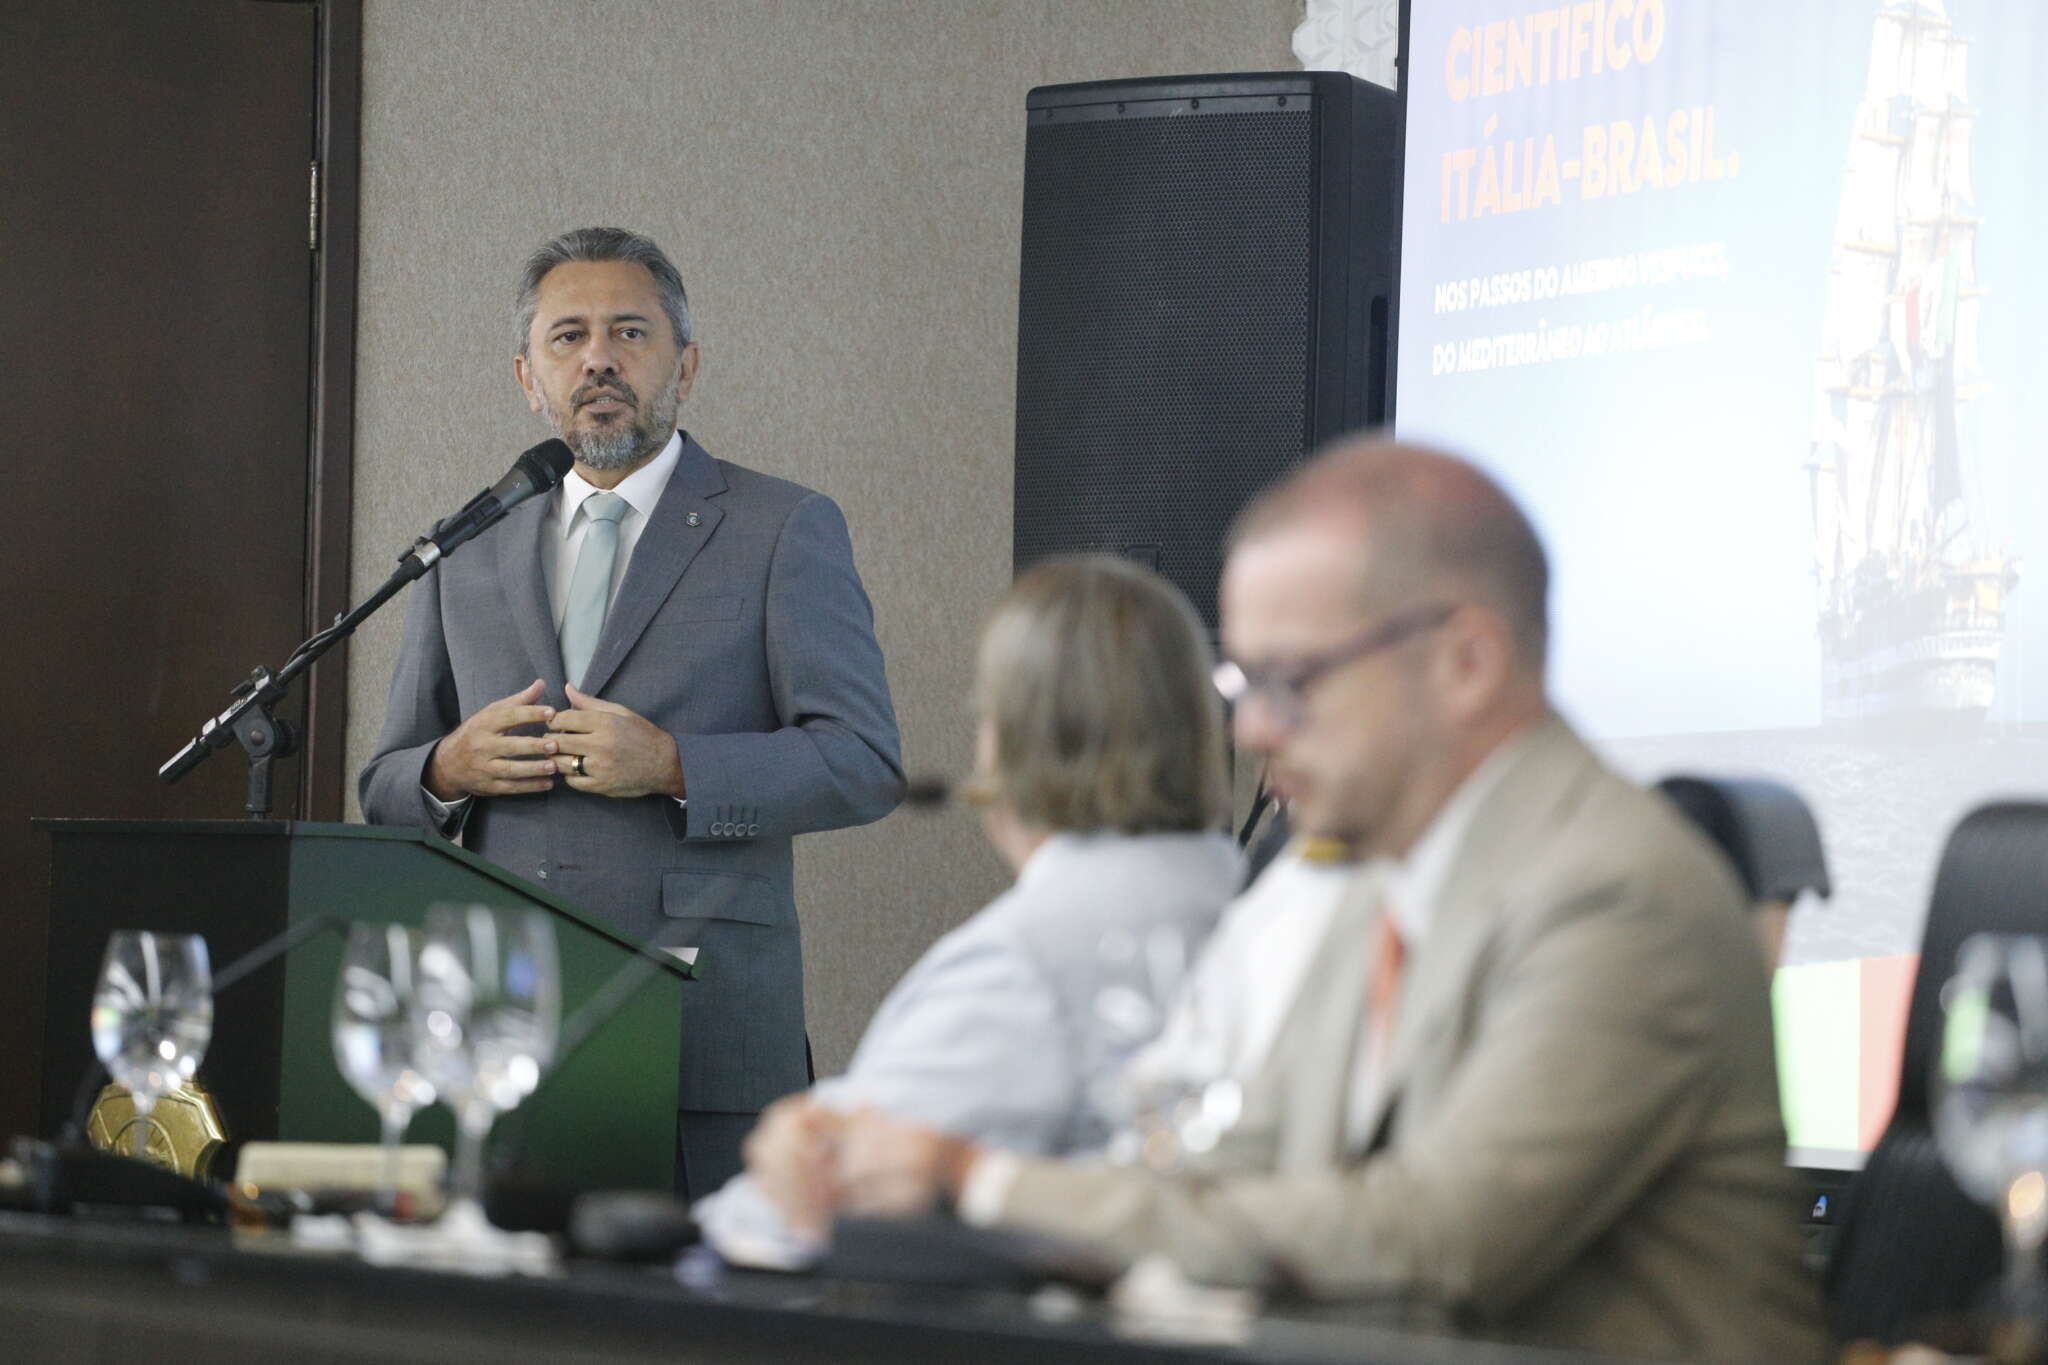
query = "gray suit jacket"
x=742 y=629
x=1576 y=1138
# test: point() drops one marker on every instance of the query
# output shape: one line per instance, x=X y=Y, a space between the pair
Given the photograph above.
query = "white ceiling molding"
x=1359 y=36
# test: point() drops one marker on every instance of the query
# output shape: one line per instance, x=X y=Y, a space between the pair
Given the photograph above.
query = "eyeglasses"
x=1285 y=687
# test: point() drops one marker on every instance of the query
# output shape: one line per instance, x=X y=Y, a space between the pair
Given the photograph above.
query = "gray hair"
x=1094 y=675
x=604 y=244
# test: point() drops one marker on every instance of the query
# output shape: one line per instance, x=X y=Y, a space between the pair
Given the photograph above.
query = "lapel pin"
x=693 y=519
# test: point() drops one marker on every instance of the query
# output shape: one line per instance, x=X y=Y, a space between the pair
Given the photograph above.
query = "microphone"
x=535 y=471
x=249 y=720
x=928 y=791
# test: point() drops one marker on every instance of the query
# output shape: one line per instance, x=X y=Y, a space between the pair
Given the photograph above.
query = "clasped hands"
x=594 y=746
x=814 y=1163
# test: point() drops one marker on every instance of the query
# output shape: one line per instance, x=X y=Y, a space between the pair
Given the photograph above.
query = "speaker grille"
x=1165 y=315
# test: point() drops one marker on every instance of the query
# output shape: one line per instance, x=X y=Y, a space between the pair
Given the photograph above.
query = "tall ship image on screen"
x=1912 y=595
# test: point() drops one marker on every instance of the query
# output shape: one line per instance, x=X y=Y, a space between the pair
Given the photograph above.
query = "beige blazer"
x=1576 y=1139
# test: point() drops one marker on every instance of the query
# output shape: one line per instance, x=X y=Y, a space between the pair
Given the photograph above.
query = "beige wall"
x=839 y=183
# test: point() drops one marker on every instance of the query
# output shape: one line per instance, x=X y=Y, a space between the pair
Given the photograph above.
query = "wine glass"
x=374 y=1021
x=1183 y=1102
x=1991 y=1087
x=488 y=1005
x=152 y=1016
x=1162 y=1098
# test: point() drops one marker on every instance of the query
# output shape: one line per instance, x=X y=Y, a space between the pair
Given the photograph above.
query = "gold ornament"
x=184 y=1131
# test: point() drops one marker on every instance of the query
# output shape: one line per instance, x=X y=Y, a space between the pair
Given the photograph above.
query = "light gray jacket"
x=994 y=1034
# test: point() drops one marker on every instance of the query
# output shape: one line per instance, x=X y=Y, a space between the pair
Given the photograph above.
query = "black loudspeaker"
x=1206 y=295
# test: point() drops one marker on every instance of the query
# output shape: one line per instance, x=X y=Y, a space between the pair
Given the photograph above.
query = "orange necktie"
x=1389 y=959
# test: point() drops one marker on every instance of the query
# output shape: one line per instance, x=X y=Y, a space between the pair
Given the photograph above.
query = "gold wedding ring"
x=579 y=763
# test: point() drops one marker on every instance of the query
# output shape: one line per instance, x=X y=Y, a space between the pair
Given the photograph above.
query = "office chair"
x=1915 y=1253
x=1770 y=836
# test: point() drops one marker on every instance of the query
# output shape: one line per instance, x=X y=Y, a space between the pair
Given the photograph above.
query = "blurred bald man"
x=1524 y=1074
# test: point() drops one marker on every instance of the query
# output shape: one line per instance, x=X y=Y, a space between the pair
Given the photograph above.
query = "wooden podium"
x=604 y=1118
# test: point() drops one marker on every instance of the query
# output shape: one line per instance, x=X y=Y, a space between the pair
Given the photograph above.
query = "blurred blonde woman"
x=1100 y=778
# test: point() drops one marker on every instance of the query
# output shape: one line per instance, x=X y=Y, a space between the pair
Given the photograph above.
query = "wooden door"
x=157 y=342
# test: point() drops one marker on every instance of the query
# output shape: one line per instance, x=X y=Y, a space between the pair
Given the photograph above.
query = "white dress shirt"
x=561 y=540
x=1241 y=986
x=567 y=525
x=1414 y=887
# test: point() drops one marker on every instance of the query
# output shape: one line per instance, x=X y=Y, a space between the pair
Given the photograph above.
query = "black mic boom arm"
x=249 y=720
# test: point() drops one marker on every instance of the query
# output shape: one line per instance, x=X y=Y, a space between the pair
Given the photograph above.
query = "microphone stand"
x=250 y=720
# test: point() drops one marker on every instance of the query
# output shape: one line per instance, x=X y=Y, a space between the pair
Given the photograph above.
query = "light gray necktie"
x=590 y=588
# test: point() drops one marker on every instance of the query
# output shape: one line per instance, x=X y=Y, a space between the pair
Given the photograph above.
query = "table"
x=75 y=1290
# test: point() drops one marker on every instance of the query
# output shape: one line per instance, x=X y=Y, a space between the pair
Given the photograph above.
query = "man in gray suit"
x=641 y=686
x=1523 y=1074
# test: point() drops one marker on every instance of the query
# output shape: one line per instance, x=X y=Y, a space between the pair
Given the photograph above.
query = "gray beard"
x=615 y=448
x=621 y=447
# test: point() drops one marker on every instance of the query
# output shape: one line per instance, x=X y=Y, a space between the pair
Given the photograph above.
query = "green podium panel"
x=603 y=1118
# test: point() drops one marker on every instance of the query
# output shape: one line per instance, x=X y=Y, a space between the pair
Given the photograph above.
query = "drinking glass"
x=1991 y=1088
x=374 y=1022
x=152 y=1016
x=1163 y=1098
x=1182 y=1104
x=487 y=1006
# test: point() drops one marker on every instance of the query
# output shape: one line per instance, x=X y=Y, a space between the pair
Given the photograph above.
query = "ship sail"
x=1886 y=39
x=1910 y=597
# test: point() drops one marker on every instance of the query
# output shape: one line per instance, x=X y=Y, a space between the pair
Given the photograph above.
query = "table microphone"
x=928 y=792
